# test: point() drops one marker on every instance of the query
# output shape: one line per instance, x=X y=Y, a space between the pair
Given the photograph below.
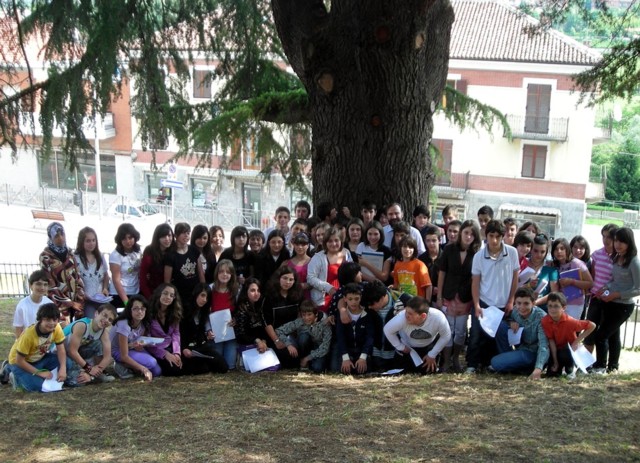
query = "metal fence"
x=63 y=200
x=14 y=283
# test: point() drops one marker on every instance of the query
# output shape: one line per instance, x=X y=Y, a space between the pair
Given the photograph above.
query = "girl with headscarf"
x=65 y=285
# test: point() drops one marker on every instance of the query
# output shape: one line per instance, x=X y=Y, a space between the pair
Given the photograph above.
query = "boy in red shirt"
x=561 y=331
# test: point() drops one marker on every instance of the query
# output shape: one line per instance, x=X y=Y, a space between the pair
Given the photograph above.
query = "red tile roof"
x=488 y=30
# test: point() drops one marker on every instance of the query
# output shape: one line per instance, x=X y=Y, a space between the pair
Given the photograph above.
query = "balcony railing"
x=105 y=131
x=538 y=128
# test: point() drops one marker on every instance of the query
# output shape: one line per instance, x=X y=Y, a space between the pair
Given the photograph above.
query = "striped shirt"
x=602 y=267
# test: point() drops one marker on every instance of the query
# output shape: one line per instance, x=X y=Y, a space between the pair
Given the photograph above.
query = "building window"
x=456 y=84
x=538 y=107
x=158 y=194
x=534 y=161
x=54 y=174
x=204 y=192
x=246 y=150
x=443 y=161
x=202 y=84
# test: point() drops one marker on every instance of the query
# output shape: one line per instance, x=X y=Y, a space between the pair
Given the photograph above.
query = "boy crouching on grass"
x=312 y=338
x=417 y=327
x=355 y=337
x=561 y=331
x=30 y=359
x=89 y=347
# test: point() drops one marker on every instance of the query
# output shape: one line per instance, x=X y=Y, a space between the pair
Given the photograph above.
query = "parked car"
x=136 y=210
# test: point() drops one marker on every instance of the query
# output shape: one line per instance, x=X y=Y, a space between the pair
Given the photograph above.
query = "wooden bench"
x=46 y=215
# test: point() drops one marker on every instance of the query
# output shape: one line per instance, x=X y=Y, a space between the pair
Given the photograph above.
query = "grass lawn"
x=293 y=417
x=602 y=222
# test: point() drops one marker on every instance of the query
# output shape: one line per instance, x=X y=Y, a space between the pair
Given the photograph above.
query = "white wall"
x=20 y=171
x=493 y=155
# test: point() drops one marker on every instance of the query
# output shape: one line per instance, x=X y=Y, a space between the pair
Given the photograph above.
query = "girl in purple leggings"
x=127 y=349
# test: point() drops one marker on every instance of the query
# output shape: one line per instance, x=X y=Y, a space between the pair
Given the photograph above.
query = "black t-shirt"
x=279 y=311
x=243 y=266
x=184 y=273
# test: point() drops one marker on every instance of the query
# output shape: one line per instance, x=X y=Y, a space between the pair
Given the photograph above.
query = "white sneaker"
x=470 y=371
x=571 y=375
x=12 y=380
x=104 y=378
x=599 y=371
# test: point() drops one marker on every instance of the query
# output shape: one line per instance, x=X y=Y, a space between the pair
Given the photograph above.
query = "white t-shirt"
x=129 y=271
x=91 y=278
x=27 y=310
x=400 y=333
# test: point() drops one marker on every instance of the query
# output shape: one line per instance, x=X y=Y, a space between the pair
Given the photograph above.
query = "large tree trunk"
x=374 y=71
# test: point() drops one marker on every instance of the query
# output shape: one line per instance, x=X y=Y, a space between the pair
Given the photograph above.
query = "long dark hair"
x=127 y=314
x=123 y=230
x=198 y=232
x=625 y=235
x=284 y=252
x=581 y=241
x=236 y=232
x=243 y=297
x=157 y=254
x=174 y=311
x=373 y=224
x=82 y=234
x=273 y=287
x=567 y=248
x=201 y=312
x=475 y=229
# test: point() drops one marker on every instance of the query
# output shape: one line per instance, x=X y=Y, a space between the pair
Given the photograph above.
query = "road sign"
x=171 y=184
x=173 y=172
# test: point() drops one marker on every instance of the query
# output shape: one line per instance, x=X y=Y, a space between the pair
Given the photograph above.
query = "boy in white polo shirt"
x=494 y=281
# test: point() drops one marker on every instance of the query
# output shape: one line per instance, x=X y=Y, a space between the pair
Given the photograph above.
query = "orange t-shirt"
x=411 y=277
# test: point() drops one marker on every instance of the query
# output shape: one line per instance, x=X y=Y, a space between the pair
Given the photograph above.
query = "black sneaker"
x=4 y=372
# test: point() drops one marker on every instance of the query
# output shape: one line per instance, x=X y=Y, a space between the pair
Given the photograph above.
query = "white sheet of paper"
x=542 y=285
x=374 y=258
x=490 y=321
x=582 y=358
x=397 y=371
x=526 y=275
x=255 y=361
x=220 y=326
x=514 y=338
x=417 y=360
x=148 y=340
x=52 y=385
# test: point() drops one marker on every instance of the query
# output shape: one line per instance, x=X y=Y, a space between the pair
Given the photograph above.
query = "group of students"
x=332 y=292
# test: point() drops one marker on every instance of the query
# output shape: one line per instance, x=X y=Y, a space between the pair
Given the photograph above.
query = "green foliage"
x=615 y=30
x=93 y=48
x=466 y=112
x=622 y=182
x=597 y=207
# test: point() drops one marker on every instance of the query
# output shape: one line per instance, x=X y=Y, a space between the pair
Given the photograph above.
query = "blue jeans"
x=87 y=352
x=228 y=350
x=33 y=383
x=482 y=347
x=304 y=344
x=514 y=361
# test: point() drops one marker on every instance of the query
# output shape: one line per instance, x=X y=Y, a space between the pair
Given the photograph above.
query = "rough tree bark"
x=374 y=71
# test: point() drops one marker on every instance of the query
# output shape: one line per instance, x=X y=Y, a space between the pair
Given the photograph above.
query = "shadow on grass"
x=289 y=417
